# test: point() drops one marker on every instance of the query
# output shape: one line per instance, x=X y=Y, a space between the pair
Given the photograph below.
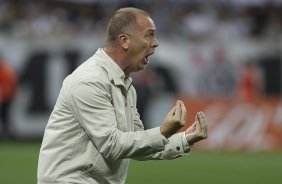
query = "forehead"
x=145 y=23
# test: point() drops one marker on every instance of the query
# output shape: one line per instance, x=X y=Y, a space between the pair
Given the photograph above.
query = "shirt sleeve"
x=177 y=146
x=91 y=105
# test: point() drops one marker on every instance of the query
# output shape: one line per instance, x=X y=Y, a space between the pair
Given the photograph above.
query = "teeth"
x=147 y=60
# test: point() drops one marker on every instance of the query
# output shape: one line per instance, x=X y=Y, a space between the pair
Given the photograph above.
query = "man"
x=95 y=128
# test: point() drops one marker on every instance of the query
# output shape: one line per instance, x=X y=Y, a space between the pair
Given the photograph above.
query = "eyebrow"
x=151 y=29
x=148 y=29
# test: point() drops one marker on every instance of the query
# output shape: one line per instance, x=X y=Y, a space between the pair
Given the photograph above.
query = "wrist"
x=164 y=133
x=189 y=138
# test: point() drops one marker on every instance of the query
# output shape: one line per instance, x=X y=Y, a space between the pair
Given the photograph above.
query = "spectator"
x=8 y=86
x=250 y=82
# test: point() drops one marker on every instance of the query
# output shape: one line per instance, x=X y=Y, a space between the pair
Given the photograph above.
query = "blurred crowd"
x=197 y=20
x=210 y=48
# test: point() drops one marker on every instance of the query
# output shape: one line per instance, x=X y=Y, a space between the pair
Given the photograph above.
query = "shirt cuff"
x=164 y=139
x=186 y=146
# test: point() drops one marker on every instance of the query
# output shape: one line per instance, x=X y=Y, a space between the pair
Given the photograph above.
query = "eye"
x=150 y=35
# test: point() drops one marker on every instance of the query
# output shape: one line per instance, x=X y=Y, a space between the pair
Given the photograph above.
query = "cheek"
x=143 y=44
x=140 y=49
x=144 y=49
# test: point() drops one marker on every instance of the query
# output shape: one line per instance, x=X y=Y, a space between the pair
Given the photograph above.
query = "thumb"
x=172 y=111
x=191 y=129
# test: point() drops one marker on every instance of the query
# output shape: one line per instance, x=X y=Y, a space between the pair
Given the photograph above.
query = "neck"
x=118 y=57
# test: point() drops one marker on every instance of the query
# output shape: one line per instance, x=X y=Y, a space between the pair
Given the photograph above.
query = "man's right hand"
x=174 y=120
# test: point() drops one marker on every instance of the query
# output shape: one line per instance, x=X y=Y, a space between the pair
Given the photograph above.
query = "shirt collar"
x=116 y=74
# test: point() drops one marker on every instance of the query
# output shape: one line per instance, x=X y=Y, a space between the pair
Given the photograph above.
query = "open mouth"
x=146 y=59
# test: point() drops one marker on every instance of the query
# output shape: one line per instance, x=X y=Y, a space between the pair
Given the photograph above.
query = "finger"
x=198 y=126
x=177 y=112
x=196 y=116
x=205 y=121
x=201 y=121
x=183 y=113
x=196 y=123
x=172 y=111
x=191 y=129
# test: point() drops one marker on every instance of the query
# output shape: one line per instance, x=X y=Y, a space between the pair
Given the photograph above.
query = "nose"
x=155 y=43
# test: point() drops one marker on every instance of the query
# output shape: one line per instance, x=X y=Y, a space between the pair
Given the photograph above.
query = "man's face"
x=142 y=44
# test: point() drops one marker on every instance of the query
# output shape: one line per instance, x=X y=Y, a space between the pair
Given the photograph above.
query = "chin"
x=141 y=67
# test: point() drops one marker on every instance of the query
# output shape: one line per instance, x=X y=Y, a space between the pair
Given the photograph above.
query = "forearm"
x=177 y=146
x=120 y=145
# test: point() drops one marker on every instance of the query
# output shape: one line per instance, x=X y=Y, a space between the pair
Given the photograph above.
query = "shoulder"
x=87 y=78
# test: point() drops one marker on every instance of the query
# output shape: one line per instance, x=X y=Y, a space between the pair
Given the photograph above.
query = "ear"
x=123 y=41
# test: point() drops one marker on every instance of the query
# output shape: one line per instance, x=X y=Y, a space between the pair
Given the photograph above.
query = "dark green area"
x=18 y=164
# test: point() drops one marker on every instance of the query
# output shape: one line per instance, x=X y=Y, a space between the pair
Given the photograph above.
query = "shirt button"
x=90 y=166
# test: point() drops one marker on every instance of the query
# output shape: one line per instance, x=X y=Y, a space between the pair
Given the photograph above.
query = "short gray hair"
x=123 y=21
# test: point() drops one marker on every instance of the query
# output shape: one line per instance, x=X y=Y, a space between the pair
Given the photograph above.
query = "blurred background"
x=222 y=57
